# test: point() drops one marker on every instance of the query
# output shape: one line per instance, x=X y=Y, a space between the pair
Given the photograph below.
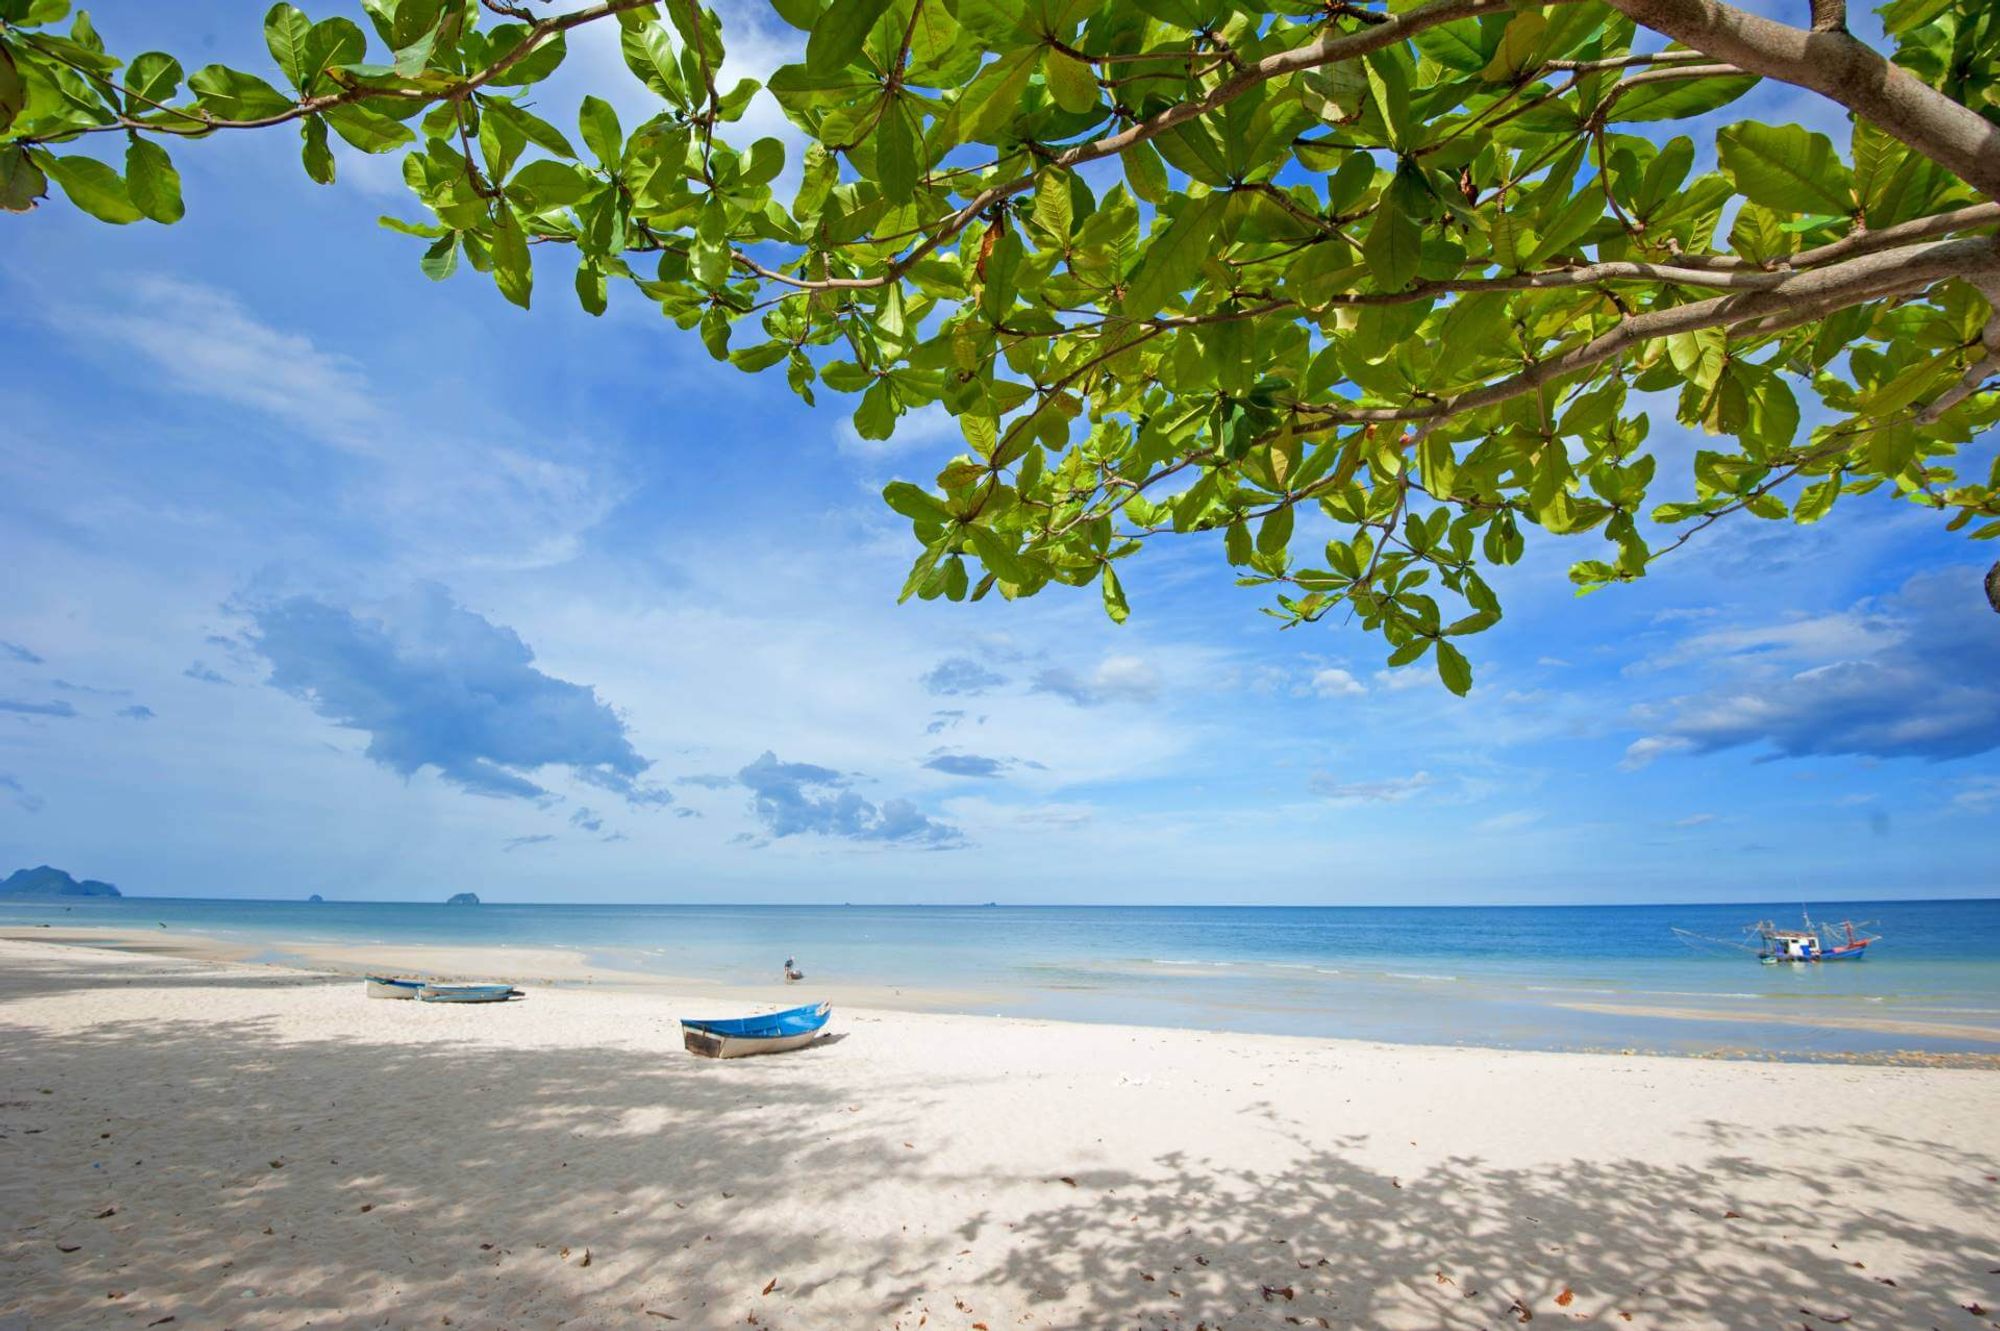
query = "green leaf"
x=230 y=94
x=92 y=186
x=1786 y=168
x=601 y=134
x=367 y=129
x=1146 y=173
x=315 y=153
x=441 y=259
x=1678 y=99
x=1071 y=83
x=513 y=272
x=915 y=503
x=542 y=185
x=289 y=35
x=1518 y=46
x=875 y=416
x=1395 y=241
x=152 y=80
x=152 y=182
x=1114 y=597
x=1173 y=256
x=1454 y=669
x=22 y=183
x=994 y=98
x=1000 y=557
x=895 y=153
x=838 y=35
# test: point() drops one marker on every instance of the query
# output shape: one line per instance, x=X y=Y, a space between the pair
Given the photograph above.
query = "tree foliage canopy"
x=1414 y=273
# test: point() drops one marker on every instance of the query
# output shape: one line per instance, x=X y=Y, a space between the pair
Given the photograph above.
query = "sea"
x=1657 y=978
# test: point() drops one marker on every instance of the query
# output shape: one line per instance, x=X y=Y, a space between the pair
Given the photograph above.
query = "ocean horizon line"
x=1811 y=901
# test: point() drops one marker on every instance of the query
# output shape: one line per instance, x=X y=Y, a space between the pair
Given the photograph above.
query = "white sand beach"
x=207 y=1144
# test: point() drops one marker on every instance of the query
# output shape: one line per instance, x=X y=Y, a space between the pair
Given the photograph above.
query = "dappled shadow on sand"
x=400 y=1181
x=1465 y=1244
x=468 y=1182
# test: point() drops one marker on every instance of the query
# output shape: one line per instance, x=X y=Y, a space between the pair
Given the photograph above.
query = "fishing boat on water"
x=1813 y=941
x=772 y=1033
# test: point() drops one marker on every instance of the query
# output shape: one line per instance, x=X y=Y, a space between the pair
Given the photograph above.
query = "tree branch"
x=1813 y=293
x=1835 y=65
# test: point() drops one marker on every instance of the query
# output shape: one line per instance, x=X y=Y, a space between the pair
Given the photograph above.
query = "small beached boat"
x=468 y=993
x=742 y=1036
x=383 y=986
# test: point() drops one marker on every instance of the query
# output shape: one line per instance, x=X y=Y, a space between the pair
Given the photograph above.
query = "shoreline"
x=573 y=967
x=259 y=1147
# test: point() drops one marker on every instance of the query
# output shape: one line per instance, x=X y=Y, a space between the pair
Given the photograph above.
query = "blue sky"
x=324 y=578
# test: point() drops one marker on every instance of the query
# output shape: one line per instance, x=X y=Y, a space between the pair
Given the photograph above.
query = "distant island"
x=463 y=899
x=314 y=897
x=43 y=881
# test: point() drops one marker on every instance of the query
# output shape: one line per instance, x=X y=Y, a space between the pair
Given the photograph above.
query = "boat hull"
x=742 y=1037
x=705 y=1045
x=468 y=993
x=382 y=987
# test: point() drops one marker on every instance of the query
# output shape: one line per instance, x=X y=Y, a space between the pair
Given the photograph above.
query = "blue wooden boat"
x=468 y=993
x=384 y=986
x=772 y=1033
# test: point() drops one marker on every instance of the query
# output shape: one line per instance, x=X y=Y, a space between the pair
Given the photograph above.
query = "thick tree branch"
x=1810 y=293
x=1836 y=66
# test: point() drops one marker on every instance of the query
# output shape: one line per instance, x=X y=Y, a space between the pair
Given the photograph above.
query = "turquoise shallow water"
x=1571 y=977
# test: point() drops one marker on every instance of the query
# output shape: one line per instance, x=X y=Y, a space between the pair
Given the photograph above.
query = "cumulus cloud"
x=1384 y=790
x=516 y=843
x=960 y=675
x=587 y=819
x=14 y=651
x=435 y=685
x=1333 y=682
x=1116 y=679
x=942 y=721
x=204 y=674
x=138 y=711
x=1910 y=675
x=794 y=798
x=709 y=780
x=966 y=764
x=20 y=708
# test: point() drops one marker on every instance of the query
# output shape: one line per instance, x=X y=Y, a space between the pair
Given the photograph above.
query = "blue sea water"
x=1561 y=977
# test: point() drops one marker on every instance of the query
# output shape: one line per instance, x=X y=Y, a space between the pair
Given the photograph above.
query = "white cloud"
x=1641 y=752
x=455 y=494
x=1116 y=679
x=1695 y=820
x=1512 y=821
x=1382 y=790
x=1333 y=682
